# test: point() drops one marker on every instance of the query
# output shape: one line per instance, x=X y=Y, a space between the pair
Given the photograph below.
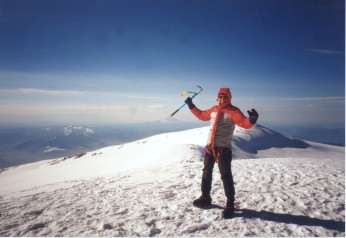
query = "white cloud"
x=325 y=51
x=36 y=113
x=337 y=98
x=64 y=93
x=325 y=99
x=52 y=149
x=33 y=91
x=37 y=91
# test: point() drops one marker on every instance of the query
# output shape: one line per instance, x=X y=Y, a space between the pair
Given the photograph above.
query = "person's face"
x=223 y=99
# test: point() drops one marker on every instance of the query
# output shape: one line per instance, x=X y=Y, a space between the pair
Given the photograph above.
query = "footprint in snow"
x=169 y=195
x=36 y=226
x=35 y=213
x=107 y=226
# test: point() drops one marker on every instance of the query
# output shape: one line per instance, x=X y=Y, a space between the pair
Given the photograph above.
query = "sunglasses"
x=223 y=97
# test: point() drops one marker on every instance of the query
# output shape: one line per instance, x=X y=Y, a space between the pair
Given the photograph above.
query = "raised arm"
x=243 y=121
x=201 y=115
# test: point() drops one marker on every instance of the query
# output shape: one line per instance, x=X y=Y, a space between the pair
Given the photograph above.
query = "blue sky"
x=104 y=62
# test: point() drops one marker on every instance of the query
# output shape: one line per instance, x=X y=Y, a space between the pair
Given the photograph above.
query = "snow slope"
x=284 y=187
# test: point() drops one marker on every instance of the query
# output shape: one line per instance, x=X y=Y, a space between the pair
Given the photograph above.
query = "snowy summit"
x=284 y=187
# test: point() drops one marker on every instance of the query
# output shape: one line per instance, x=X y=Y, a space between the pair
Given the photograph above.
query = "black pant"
x=225 y=159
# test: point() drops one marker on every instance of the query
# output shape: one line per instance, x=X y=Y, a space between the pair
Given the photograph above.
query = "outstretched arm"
x=201 y=115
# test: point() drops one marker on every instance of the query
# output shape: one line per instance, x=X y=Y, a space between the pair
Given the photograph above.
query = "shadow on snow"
x=290 y=219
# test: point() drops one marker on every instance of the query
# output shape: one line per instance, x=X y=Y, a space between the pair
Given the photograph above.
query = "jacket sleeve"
x=202 y=115
x=241 y=120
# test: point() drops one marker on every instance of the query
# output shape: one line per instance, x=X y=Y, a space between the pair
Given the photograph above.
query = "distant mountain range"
x=30 y=144
x=326 y=135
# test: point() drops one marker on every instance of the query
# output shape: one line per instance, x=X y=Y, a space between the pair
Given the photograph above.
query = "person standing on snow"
x=224 y=117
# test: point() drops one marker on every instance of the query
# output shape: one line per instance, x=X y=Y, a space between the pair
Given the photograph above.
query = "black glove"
x=189 y=103
x=253 y=116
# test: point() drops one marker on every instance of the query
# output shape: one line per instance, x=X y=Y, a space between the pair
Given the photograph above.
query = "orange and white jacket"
x=223 y=121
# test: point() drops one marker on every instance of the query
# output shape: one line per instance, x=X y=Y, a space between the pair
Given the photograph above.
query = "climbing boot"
x=202 y=202
x=228 y=211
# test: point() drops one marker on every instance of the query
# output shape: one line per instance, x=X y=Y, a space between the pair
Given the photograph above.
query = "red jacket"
x=223 y=120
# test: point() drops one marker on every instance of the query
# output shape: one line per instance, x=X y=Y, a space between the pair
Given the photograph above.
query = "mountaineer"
x=224 y=117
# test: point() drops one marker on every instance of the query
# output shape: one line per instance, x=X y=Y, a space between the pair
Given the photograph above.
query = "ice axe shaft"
x=194 y=95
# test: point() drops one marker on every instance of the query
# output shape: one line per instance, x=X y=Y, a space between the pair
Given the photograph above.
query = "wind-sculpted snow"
x=146 y=188
x=263 y=139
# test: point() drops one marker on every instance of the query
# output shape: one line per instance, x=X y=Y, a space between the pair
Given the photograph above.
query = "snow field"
x=146 y=188
x=274 y=197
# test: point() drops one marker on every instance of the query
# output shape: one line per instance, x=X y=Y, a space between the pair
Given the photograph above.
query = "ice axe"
x=200 y=89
